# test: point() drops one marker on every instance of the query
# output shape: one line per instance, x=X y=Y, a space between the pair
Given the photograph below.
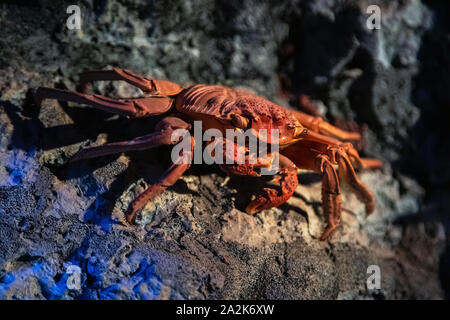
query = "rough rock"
x=62 y=229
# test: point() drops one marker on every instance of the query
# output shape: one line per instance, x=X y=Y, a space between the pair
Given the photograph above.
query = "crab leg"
x=321 y=158
x=349 y=176
x=347 y=146
x=317 y=124
x=135 y=107
x=331 y=194
x=156 y=87
x=162 y=136
x=311 y=155
x=330 y=189
x=168 y=179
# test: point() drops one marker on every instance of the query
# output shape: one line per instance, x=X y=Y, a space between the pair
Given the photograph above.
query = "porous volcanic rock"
x=62 y=229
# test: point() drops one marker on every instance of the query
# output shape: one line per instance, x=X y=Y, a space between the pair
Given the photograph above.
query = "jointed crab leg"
x=135 y=107
x=321 y=158
x=156 y=87
x=323 y=132
x=317 y=124
x=364 y=163
x=346 y=146
x=331 y=195
x=168 y=179
x=162 y=136
x=330 y=189
x=348 y=174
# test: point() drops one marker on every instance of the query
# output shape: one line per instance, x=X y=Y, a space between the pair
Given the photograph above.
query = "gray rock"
x=62 y=229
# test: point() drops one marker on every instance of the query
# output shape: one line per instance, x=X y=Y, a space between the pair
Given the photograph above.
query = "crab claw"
x=286 y=181
x=265 y=201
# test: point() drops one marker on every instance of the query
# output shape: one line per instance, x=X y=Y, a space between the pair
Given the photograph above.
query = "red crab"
x=305 y=141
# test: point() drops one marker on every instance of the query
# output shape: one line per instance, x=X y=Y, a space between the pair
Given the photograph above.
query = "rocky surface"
x=62 y=230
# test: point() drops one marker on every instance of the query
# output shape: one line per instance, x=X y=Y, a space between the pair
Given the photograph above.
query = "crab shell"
x=224 y=108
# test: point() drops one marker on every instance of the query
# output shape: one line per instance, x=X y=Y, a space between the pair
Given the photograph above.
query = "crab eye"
x=239 y=121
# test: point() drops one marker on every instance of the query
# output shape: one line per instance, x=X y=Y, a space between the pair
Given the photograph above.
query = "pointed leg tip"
x=256 y=206
x=250 y=209
x=133 y=210
x=130 y=218
x=370 y=208
x=326 y=235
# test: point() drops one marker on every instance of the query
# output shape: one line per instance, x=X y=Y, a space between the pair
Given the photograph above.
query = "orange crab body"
x=304 y=141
